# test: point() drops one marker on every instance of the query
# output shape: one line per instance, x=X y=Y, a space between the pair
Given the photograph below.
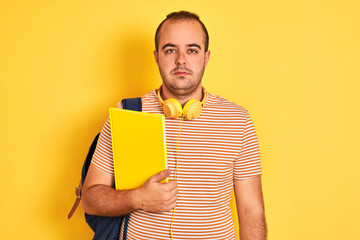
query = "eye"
x=170 y=50
x=191 y=50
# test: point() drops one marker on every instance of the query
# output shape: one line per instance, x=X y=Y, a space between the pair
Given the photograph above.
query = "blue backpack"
x=105 y=228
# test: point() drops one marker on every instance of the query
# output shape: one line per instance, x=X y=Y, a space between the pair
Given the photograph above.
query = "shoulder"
x=223 y=105
x=148 y=98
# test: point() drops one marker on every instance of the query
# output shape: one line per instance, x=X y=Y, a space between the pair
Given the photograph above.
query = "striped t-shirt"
x=215 y=149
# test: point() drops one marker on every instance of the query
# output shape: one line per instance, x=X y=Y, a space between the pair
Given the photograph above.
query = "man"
x=207 y=156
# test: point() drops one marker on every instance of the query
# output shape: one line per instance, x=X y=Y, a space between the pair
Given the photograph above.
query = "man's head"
x=180 y=16
x=182 y=54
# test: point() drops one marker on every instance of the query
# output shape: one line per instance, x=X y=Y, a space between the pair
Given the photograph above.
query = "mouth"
x=181 y=73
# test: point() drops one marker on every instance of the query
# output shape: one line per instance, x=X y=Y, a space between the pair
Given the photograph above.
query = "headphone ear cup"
x=192 y=109
x=172 y=108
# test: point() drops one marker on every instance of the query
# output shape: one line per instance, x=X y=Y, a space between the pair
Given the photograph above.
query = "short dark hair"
x=178 y=16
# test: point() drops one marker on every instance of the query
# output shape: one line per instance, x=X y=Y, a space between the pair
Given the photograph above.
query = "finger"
x=171 y=203
x=169 y=186
x=171 y=196
x=174 y=191
x=161 y=175
x=168 y=207
x=173 y=199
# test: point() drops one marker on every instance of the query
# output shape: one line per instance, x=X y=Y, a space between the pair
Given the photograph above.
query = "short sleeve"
x=248 y=164
x=103 y=156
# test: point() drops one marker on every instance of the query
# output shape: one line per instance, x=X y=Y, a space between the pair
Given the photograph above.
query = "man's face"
x=181 y=58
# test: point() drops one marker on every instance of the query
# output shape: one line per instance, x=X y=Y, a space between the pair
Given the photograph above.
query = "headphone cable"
x=176 y=174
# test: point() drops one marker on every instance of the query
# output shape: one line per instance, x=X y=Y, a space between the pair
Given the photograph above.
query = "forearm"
x=250 y=209
x=252 y=225
x=103 y=200
x=100 y=198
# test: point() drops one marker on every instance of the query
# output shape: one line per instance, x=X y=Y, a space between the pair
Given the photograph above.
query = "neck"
x=197 y=94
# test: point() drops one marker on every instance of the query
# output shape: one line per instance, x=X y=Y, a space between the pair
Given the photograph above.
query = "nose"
x=181 y=58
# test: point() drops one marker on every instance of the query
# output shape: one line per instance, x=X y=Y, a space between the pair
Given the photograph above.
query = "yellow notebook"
x=139 y=146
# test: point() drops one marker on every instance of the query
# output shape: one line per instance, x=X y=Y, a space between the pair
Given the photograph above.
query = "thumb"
x=161 y=175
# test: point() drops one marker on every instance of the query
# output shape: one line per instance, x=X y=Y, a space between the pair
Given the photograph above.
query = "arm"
x=250 y=208
x=100 y=198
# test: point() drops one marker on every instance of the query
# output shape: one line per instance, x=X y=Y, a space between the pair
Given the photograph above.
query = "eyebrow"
x=194 y=45
x=189 y=45
x=168 y=45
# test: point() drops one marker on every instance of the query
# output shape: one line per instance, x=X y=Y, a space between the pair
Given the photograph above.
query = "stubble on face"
x=183 y=86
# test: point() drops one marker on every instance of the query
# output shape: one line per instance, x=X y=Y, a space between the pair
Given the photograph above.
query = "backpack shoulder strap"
x=134 y=104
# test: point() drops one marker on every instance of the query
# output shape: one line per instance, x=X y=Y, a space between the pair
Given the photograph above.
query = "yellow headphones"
x=173 y=109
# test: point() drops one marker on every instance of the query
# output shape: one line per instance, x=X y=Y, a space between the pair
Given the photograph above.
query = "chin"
x=184 y=91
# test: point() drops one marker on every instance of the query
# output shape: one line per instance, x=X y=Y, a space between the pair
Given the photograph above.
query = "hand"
x=155 y=196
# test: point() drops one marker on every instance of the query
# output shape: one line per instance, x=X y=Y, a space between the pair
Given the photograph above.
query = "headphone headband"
x=173 y=109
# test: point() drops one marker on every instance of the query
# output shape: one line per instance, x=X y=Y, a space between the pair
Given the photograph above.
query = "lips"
x=181 y=73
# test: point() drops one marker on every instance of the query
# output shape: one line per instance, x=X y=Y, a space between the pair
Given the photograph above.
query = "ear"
x=207 y=57
x=156 y=56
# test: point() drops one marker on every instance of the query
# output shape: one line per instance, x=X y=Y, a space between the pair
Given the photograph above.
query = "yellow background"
x=294 y=64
